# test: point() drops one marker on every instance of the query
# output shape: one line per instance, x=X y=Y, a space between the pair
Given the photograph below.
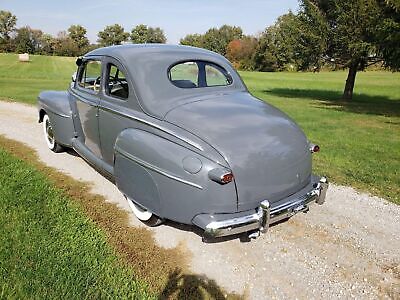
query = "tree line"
x=73 y=41
x=333 y=34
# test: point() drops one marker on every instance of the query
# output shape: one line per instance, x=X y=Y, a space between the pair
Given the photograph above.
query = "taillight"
x=221 y=175
x=226 y=178
x=314 y=148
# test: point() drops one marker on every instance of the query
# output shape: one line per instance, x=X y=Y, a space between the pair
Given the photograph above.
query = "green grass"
x=23 y=81
x=360 y=140
x=48 y=248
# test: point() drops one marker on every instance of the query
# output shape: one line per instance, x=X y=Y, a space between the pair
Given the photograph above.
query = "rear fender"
x=167 y=178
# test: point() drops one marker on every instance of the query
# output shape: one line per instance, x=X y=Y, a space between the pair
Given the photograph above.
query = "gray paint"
x=160 y=144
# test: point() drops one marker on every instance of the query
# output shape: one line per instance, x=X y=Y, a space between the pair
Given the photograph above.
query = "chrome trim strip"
x=153 y=125
x=155 y=169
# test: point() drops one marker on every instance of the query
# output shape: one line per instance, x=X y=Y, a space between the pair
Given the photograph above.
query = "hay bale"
x=23 y=57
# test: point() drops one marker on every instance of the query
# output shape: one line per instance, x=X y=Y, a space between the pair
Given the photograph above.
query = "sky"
x=176 y=17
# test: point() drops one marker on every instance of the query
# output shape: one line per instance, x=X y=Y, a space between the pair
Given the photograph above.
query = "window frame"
x=108 y=66
x=82 y=70
x=204 y=62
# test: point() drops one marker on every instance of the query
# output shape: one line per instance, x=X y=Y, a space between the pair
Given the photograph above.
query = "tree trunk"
x=351 y=79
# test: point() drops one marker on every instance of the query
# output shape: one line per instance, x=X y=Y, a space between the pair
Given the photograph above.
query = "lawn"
x=360 y=140
x=24 y=81
x=48 y=248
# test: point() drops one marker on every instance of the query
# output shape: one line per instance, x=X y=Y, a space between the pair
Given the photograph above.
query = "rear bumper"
x=266 y=214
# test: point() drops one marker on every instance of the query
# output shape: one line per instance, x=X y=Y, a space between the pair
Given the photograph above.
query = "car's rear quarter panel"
x=149 y=169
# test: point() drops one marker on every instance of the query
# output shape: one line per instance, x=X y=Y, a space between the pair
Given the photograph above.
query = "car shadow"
x=361 y=103
x=188 y=286
x=242 y=237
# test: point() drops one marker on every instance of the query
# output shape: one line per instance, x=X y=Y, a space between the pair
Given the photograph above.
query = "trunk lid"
x=267 y=152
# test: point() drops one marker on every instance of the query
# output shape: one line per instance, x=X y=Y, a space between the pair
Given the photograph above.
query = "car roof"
x=129 y=49
x=148 y=65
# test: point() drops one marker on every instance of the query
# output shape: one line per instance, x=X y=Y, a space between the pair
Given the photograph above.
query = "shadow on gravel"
x=183 y=286
x=361 y=103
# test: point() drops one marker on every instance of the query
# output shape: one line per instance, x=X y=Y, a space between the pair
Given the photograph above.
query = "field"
x=360 y=140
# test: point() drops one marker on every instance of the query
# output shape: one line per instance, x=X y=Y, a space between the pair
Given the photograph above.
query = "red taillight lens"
x=314 y=148
x=221 y=175
x=226 y=178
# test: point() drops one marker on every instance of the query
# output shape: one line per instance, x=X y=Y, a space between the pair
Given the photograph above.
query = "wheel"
x=49 y=136
x=144 y=215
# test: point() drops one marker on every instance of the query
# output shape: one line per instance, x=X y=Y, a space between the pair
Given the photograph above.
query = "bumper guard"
x=266 y=215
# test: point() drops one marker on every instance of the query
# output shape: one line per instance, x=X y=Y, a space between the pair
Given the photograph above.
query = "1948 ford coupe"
x=182 y=138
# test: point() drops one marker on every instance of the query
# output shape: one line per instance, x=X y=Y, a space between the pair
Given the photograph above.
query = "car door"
x=118 y=101
x=87 y=92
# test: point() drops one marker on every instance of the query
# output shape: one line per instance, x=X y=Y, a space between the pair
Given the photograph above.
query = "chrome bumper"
x=266 y=215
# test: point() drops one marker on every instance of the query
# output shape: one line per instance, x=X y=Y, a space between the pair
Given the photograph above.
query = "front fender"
x=56 y=105
x=167 y=178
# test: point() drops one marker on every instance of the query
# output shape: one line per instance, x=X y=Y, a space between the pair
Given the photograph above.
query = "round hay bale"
x=23 y=57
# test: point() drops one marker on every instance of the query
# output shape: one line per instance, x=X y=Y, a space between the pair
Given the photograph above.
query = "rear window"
x=196 y=74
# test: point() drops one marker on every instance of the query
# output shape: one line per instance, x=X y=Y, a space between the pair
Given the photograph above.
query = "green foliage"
x=77 y=33
x=194 y=40
x=27 y=40
x=112 y=35
x=7 y=26
x=241 y=52
x=143 y=34
x=48 y=248
x=356 y=33
x=215 y=39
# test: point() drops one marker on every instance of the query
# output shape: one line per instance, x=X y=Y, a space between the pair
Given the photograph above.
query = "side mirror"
x=74 y=77
x=79 y=61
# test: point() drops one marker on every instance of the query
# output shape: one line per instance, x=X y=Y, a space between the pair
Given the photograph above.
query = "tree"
x=112 y=35
x=143 y=34
x=48 y=44
x=28 y=40
x=215 y=39
x=77 y=33
x=356 y=34
x=194 y=40
x=241 y=52
x=7 y=26
x=65 y=46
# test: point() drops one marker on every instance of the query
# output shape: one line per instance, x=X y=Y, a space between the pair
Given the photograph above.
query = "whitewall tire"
x=49 y=135
x=144 y=215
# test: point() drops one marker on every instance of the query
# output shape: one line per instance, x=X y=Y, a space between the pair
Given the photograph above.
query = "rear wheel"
x=49 y=136
x=144 y=215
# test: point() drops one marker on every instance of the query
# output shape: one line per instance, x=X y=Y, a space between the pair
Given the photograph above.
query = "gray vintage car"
x=183 y=139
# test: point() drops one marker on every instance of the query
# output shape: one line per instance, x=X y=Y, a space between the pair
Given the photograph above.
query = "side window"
x=195 y=74
x=185 y=75
x=116 y=84
x=215 y=77
x=90 y=75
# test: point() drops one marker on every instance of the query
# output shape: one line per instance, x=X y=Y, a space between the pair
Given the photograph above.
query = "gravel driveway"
x=347 y=248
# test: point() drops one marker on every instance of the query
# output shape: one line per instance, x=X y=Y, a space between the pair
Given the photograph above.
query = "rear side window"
x=90 y=75
x=116 y=84
x=195 y=74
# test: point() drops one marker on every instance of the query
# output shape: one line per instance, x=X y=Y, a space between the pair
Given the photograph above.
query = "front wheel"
x=49 y=136
x=144 y=215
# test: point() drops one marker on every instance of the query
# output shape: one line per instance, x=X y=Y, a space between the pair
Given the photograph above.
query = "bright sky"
x=176 y=17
